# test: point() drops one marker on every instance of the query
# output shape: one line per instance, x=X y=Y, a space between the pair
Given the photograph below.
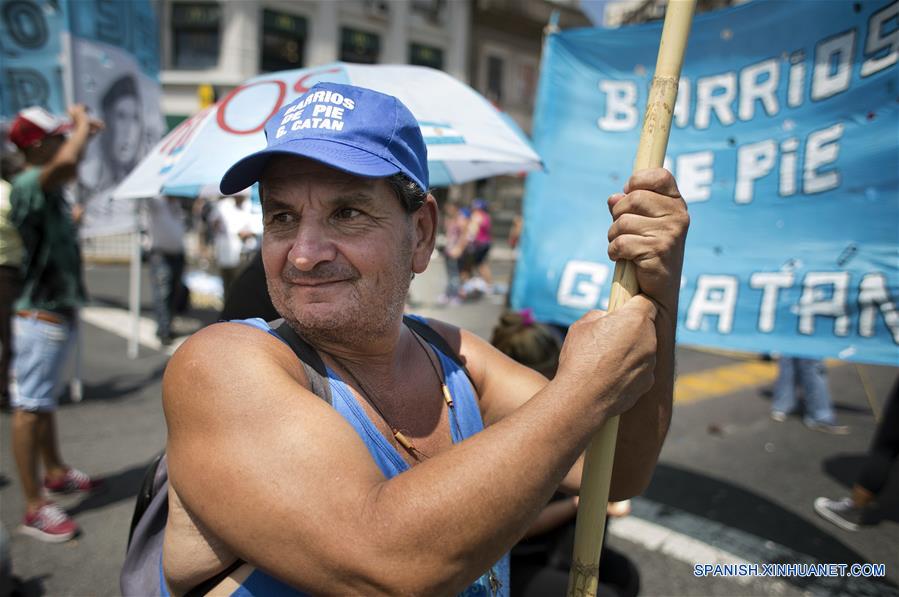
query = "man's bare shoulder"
x=225 y=366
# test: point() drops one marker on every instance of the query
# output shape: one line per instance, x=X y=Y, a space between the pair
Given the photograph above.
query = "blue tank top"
x=468 y=416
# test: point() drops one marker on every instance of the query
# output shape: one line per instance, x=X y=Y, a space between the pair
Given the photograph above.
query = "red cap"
x=35 y=124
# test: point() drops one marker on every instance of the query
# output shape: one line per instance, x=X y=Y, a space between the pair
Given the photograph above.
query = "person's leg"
x=176 y=288
x=812 y=376
x=882 y=454
x=484 y=264
x=9 y=291
x=452 y=277
x=48 y=445
x=161 y=275
x=25 y=451
x=784 y=388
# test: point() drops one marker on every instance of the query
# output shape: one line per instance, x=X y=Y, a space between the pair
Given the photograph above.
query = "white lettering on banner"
x=821 y=148
x=581 y=284
x=875 y=43
x=682 y=103
x=770 y=283
x=716 y=295
x=754 y=161
x=830 y=77
x=708 y=99
x=814 y=301
x=751 y=89
x=796 y=86
x=788 y=160
x=695 y=175
x=873 y=295
x=621 y=105
x=760 y=82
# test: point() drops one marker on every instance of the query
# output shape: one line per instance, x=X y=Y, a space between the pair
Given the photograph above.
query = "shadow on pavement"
x=117 y=387
x=119 y=486
x=33 y=587
x=734 y=507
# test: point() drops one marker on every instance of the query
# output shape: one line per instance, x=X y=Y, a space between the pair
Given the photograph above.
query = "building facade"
x=223 y=43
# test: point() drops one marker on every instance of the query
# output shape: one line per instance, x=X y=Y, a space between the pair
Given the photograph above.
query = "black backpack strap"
x=312 y=362
x=434 y=338
x=145 y=493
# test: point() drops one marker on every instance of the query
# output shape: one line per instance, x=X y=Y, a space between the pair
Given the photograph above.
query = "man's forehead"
x=286 y=170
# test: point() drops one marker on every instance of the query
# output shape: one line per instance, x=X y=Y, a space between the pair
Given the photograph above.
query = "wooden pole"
x=600 y=454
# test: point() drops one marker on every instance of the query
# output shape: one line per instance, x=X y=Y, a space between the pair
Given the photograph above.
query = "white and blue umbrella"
x=467 y=137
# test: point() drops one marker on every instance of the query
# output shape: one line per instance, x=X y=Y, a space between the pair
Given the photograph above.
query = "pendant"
x=495 y=583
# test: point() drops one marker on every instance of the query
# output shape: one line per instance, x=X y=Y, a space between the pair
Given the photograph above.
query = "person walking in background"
x=45 y=325
x=11 y=253
x=236 y=229
x=811 y=376
x=165 y=225
x=856 y=510
x=454 y=223
x=480 y=236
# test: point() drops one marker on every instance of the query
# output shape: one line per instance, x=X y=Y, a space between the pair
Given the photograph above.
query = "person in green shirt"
x=44 y=327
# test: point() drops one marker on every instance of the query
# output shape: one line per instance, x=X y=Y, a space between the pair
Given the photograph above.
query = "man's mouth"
x=316 y=283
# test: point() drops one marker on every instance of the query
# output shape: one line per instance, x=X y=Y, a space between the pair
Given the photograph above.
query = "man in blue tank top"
x=414 y=480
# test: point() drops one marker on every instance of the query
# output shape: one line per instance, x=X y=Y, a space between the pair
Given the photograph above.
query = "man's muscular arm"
x=288 y=485
x=649 y=228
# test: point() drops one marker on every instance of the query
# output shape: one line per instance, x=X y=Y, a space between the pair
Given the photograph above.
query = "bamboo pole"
x=600 y=454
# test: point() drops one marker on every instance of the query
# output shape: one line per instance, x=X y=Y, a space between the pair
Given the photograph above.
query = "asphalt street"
x=732 y=486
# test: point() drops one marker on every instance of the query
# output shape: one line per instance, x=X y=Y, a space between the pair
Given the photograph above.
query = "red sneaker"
x=74 y=481
x=50 y=523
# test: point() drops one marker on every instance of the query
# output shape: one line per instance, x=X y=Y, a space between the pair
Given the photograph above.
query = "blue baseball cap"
x=350 y=128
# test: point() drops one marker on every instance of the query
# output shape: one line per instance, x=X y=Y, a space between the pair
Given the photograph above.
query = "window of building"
x=196 y=35
x=495 y=79
x=359 y=46
x=283 y=41
x=432 y=11
x=422 y=55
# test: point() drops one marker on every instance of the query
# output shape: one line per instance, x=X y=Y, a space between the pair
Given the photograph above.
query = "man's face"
x=338 y=250
x=45 y=150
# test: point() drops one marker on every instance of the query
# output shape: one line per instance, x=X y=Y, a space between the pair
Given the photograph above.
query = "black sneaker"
x=842 y=513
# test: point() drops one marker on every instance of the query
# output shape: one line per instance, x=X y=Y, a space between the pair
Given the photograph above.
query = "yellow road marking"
x=720 y=381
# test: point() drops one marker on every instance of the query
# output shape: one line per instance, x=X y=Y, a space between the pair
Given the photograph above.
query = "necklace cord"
x=370 y=397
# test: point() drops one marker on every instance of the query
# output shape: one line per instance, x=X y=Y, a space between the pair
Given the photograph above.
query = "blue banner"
x=785 y=146
x=31 y=46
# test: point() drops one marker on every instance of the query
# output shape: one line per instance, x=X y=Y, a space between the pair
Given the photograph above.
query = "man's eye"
x=282 y=217
x=347 y=213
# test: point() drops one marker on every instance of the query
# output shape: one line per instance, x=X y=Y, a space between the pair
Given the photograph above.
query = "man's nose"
x=311 y=246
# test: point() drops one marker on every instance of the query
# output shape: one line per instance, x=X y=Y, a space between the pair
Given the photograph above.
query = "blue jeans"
x=812 y=376
x=453 y=281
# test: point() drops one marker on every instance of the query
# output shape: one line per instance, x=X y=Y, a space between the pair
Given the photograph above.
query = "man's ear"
x=424 y=229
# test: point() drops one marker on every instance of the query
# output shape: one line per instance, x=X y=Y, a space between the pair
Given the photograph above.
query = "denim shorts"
x=41 y=363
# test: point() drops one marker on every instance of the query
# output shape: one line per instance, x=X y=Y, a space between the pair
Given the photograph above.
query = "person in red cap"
x=52 y=289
